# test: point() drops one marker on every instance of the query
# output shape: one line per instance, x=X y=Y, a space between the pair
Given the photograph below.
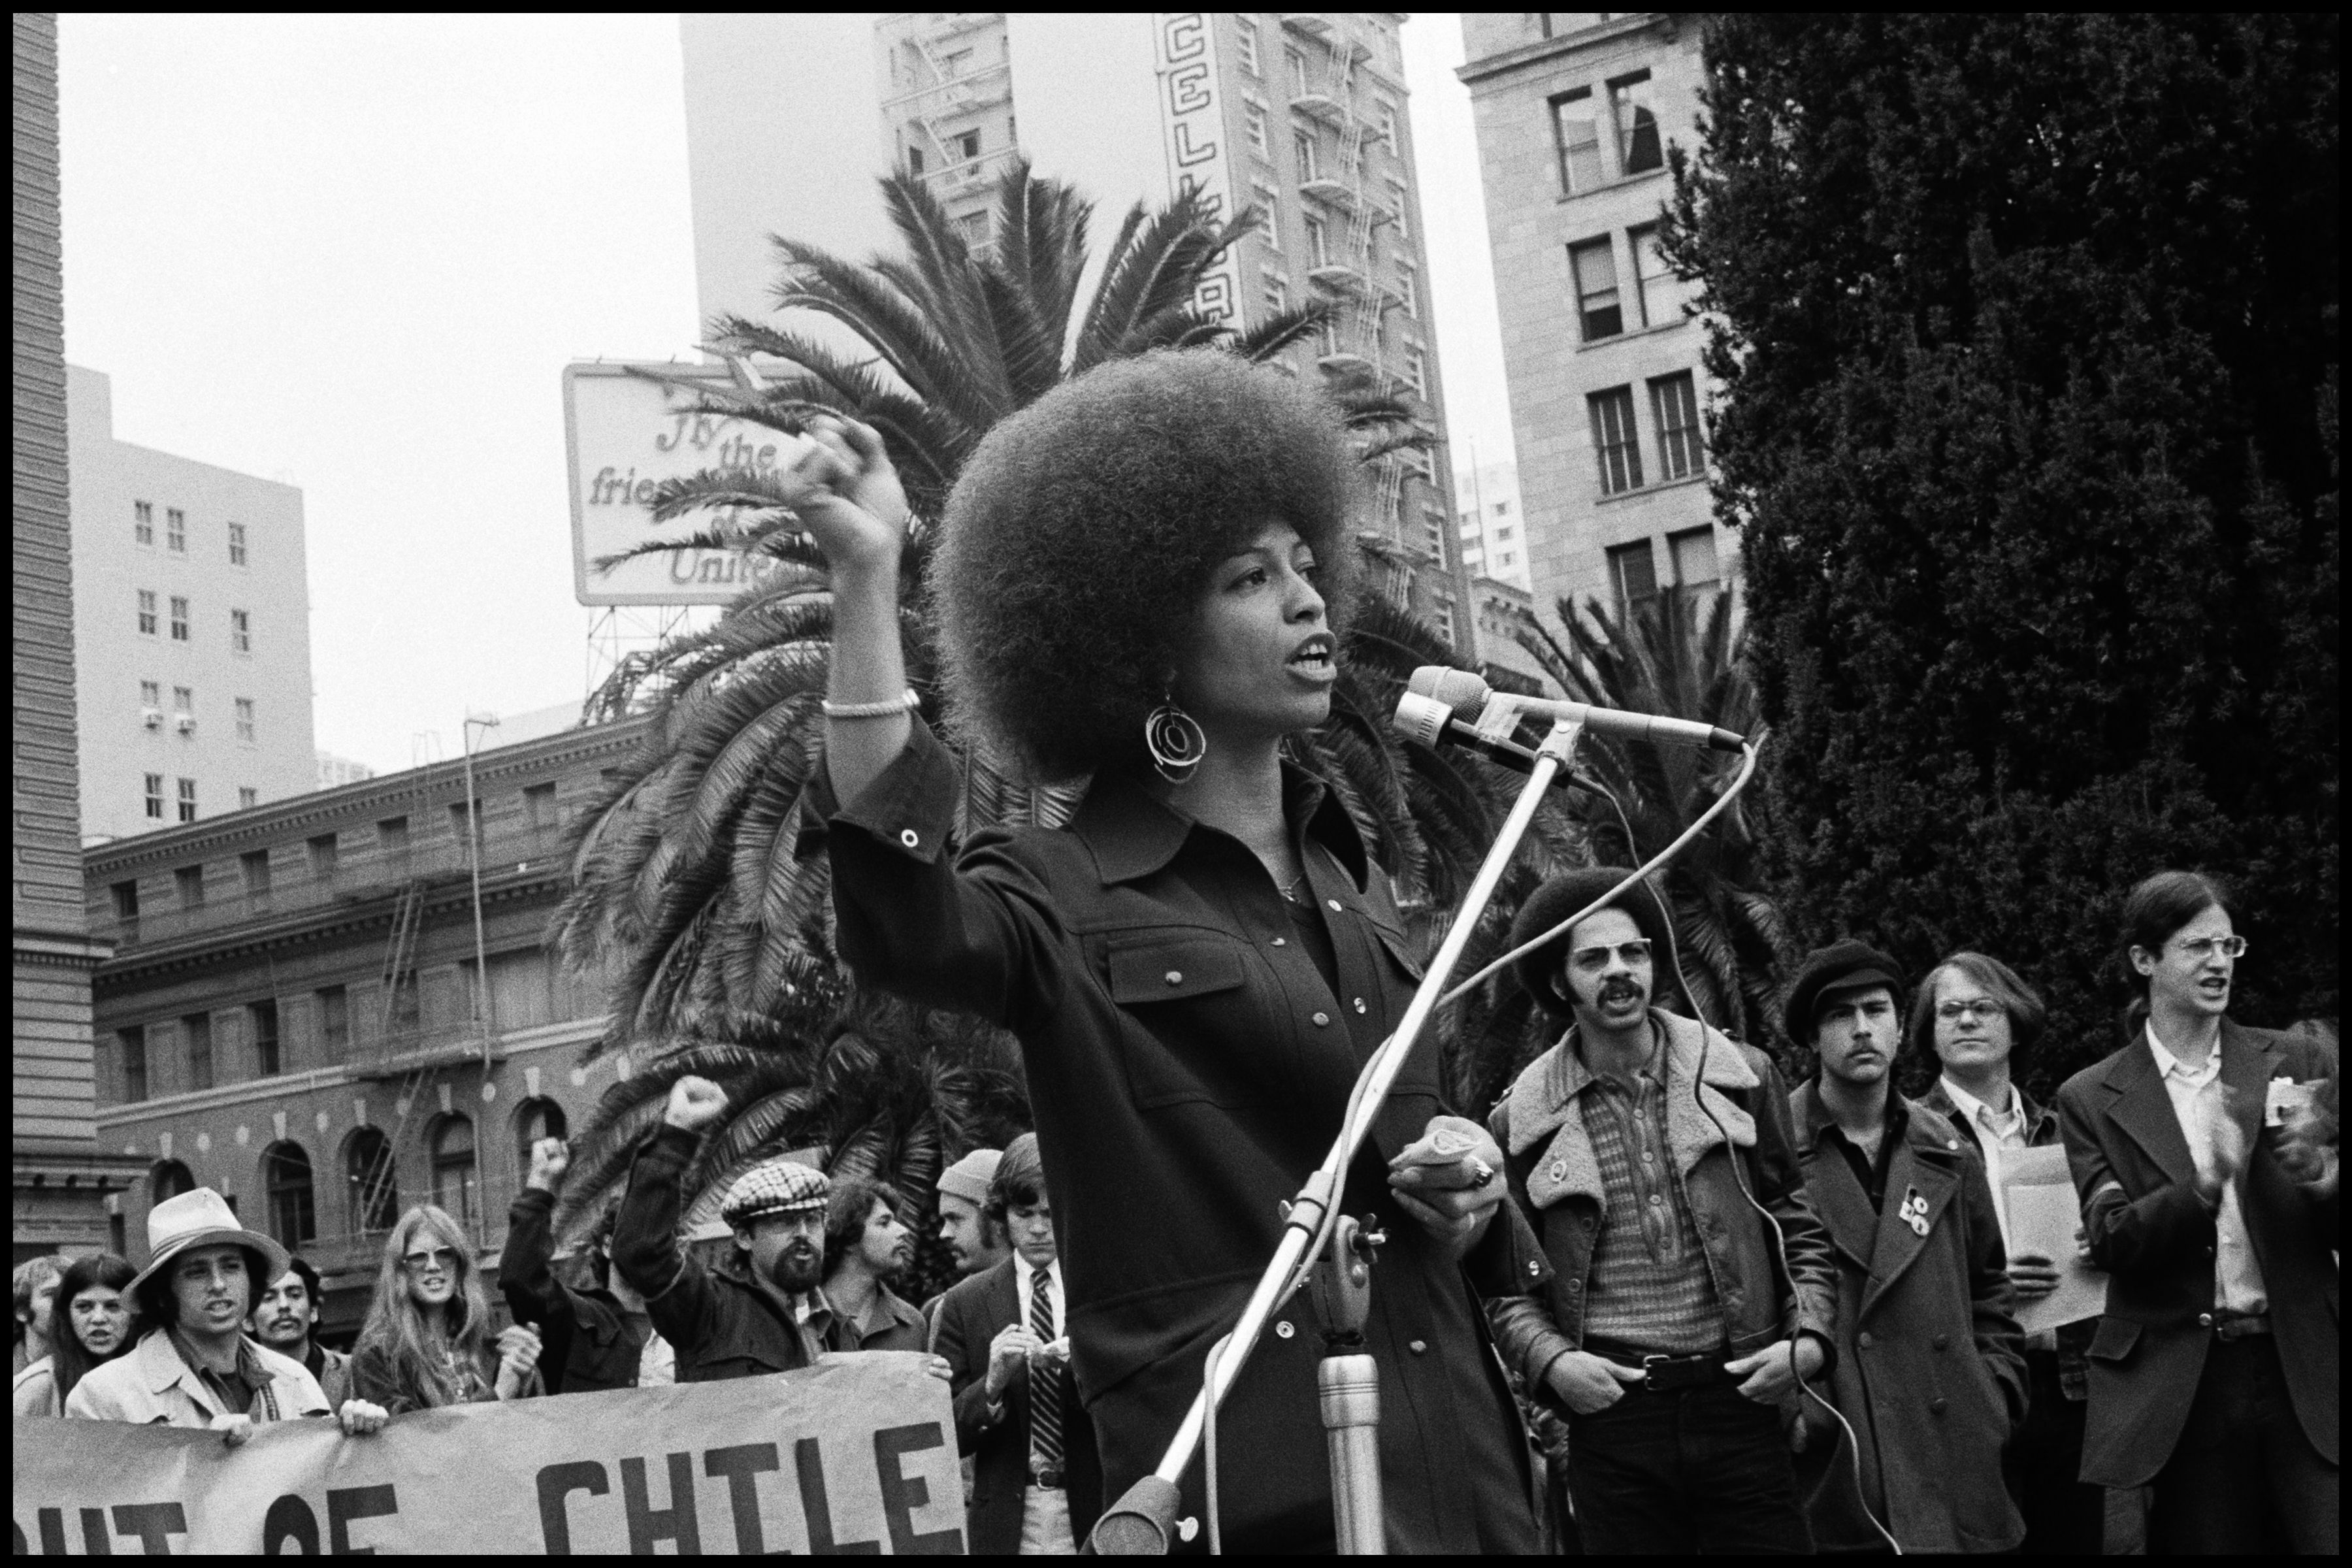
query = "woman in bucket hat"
x=196 y=1367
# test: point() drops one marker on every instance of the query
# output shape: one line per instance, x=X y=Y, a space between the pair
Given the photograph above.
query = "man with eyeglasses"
x=1979 y=1022
x=2215 y=1368
x=1675 y=1322
x=1930 y=1374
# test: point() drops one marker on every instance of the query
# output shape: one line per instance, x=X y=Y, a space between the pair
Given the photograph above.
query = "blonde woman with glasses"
x=428 y=1340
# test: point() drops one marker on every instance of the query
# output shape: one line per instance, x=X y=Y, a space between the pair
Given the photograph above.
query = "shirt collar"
x=1133 y=832
x=1976 y=1111
x=248 y=1370
x=2169 y=1066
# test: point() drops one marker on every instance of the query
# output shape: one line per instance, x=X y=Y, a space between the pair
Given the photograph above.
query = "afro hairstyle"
x=1562 y=896
x=1076 y=544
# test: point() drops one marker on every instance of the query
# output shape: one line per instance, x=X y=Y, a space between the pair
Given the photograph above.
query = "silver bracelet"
x=907 y=702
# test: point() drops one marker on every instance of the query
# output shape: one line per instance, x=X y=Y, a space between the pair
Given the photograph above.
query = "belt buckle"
x=1650 y=1366
x=1047 y=1476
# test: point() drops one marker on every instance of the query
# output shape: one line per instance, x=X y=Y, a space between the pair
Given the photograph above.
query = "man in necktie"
x=1037 y=1480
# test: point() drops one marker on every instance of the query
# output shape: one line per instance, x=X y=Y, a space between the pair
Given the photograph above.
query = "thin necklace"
x=1290 y=893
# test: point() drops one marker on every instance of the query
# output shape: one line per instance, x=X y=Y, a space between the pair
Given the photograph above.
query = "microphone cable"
x=1738 y=1176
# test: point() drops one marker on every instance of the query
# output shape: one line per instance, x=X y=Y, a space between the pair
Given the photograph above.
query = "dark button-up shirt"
x=236 y=1392
x=1188 y=1065
x=1870 y=1170
x=888 y=1324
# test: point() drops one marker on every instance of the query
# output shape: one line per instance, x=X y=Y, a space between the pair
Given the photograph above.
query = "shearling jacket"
x=1931 y=1364
x=153 y=1387
x=1555 y=1177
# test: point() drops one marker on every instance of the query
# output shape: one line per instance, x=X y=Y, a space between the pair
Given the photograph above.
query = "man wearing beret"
x=1931 y=1366
x=1674 y=1324
x=737 y=1319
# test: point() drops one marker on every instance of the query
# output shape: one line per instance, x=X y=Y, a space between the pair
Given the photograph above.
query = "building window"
x=155 y=796
x=183 y=699
x=244 y=719
x=151 y=695
x=187 y=800
x=197 y=1033
x=456 y=1180
x=1253 y=126
x=539 y=807
x=1386 y=114
x=1277 y=294
x=1636 y=123
x=1296 y=65
x=246 y=796
x=1654 y=280
x=1434 y=529
x=535 y=1120
x=392 y=836
x=1675 y=405
x=1505 y=559
x=1318 y=243
x=176 y=529
x=1246 y=40
x=1503 y=509
x=1269 y=213
x=967 y=145
x=168 y=1180
x=1633 y=574
x=1594 y=265
x=1502 y=534
x=142 y=522
x=1400 y=211
x=190 y=880
x=975 y=226
x=1440 y=614
x=132 y=1043
x=1408 y=289
x=1303 y=153
x=1576 y=135
x=179 y=619
x=286 y=1173
x=323 y=850
x=263 y=1017
x=1416 y=370
x=240 y=631
x=146 y=612
x=237 y=544
x=915 y=160
x=255 y=865
x=335 y=1018
x=369 y=1179
x=1614 y=441
x=1696 y=570
x=126 y=904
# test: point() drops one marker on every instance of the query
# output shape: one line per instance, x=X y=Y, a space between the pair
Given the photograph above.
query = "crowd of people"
x=1658 y=1299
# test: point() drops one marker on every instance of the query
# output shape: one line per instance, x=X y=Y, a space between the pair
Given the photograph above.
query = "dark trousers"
x=2063 y=1517
x=1699 y=1470
x=2243 y=1478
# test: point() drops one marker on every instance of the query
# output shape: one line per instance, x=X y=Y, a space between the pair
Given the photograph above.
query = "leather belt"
x=2241 y=1328
x=1045 y=1476
x=1665 y=1373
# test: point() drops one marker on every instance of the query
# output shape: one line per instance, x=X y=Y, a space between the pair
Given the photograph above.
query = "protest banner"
x=855 y=1454
x=2038 y=1198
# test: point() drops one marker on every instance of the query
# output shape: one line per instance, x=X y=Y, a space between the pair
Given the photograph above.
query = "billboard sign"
x=623 y=435
x=1192 y=123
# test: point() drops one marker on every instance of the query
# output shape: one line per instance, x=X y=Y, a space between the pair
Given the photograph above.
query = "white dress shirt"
x=2195 y=1100
x=1023 y=1273
x=1995 y=1131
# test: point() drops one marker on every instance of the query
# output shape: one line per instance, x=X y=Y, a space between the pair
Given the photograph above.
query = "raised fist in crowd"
x=549 y=1160
x=694 y=1103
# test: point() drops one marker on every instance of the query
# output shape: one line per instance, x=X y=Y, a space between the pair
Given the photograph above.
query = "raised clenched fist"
x=694 y=1103
x=548 y=1159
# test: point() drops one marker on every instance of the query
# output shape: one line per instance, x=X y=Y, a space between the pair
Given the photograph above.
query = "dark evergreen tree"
x=2028 y=326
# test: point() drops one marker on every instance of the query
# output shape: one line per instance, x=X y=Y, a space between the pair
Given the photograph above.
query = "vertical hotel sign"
x=1193 y=127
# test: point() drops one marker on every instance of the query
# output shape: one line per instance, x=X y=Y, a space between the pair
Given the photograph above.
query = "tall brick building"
x=63 y=1188
x=1574 y=113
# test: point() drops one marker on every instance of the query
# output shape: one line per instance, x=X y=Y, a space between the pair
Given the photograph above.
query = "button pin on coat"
x=1913 y=1212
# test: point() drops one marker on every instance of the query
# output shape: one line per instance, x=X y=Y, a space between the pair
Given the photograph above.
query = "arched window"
x=169 y=1179
x=369 y=1180
x=534 y=1120
x=454 y=1174
x=286 y=1176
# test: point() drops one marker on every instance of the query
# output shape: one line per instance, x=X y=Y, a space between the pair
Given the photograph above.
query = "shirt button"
x=1863 y=1340
x=2204 y=1320
x=1321 y=1019
x=1935 y=1406
x=1282 y=941
x=1174 y=977
x=910 y=838
x=1558 y=1170
x=1419 y=1347
x=1333 y=903
x=1360 y=1004
x=1657 y=1199
x=1943 y=1342
x=1284 y=1330
x=1649 y=1158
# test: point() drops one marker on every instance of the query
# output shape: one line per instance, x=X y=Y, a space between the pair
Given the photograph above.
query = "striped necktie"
x=1044 y=1388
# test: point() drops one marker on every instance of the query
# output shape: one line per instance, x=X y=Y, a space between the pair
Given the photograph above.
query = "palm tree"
x=690 y=891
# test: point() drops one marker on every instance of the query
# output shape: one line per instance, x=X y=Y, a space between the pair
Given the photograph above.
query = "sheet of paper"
x=2038 y=1195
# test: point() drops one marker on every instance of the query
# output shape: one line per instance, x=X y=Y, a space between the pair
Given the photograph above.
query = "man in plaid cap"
x=736 y=1319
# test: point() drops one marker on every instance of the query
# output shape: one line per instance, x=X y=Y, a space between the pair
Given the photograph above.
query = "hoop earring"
x=1175 y=741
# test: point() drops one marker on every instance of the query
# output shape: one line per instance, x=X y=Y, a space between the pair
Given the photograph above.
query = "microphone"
x=1465 y=696
x=1430 y=721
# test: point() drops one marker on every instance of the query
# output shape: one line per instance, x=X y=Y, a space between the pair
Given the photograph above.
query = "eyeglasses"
x=1630 y=953
x=440 y=1257
x=2201 y=948
x=1983 y=1007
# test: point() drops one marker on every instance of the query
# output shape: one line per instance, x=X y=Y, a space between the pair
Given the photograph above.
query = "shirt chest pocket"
x=1191 y=1017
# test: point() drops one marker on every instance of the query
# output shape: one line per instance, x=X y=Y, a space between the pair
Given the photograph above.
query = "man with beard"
x=977 y=1241
x=285 y=1321
x=1922 y=1279
x=866 y=1248
x=1675 y=1324
x=736 y=1319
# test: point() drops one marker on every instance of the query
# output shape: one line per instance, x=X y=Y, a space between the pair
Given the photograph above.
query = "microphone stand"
x=1142 y=1522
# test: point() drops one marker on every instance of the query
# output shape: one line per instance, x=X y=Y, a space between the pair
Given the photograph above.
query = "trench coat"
x=1188 y=1065
x=2147 y=1226
x=153 y=1387
x=1931 y=1364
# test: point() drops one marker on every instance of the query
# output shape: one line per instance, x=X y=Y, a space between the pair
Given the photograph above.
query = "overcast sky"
x=355 y=256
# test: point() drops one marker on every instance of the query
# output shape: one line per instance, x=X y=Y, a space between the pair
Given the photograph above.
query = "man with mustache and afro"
x=1669 y=1335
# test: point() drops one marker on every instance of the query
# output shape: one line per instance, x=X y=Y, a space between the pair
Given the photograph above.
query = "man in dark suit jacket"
x=2213 y=1373
x=984 y=1329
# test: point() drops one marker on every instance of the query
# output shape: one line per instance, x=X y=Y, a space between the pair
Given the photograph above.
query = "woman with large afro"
x=1140 y=579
